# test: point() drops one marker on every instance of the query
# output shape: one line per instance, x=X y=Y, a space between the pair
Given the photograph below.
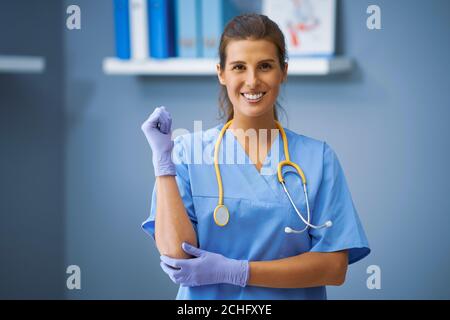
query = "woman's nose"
x=252 y=79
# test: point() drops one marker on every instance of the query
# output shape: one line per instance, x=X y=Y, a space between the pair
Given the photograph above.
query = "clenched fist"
x=158 y=131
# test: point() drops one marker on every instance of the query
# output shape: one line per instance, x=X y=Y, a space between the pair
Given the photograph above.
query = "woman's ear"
x=220 y=74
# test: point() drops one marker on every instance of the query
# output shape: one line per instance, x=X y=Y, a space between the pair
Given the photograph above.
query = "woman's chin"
x=254 y=110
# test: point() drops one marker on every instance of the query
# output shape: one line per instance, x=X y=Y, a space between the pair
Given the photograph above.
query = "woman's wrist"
x=239 y=272
x=163 y=164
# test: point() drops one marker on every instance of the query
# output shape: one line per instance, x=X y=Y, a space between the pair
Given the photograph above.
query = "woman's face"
x=252 y=76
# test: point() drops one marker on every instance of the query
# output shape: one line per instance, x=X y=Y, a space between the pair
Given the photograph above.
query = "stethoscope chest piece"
x=221 y=215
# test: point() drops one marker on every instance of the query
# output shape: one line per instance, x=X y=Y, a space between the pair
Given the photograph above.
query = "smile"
x=253 y=98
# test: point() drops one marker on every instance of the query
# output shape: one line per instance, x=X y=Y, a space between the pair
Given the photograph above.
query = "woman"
x=249 y=253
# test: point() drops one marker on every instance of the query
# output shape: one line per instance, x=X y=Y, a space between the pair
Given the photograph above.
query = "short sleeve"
x=334 y=202
x=184 y=187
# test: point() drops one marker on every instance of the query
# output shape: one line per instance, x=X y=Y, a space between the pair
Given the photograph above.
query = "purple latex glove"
x=206 y=268
x=157 y=130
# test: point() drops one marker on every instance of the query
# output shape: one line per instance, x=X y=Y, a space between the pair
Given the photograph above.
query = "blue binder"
x=162 y=29
x=122 y=29
x=215 y=16
x=188 y=28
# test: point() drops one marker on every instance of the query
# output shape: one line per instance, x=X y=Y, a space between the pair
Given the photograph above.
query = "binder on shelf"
x=139 y=29
x=188 y=31
x=215 y=16
x=122 y=29
x=162 y=33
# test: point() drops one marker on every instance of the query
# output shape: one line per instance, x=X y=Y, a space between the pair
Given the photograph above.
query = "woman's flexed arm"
x=172 y=224
x=309 y=269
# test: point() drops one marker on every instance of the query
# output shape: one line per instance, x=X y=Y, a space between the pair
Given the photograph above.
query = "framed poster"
x=308 y=25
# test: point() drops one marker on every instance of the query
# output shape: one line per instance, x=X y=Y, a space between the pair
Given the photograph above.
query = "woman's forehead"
x=251 y=50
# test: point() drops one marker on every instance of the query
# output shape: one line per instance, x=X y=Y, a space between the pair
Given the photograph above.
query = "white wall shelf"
x=21 y=64
x=206 y=67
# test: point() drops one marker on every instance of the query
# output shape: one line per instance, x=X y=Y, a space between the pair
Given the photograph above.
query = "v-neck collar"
x=260 y=183
x=262 y=186
x=275 y=143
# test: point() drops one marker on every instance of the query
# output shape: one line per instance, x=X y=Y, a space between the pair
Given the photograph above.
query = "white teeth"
x=253 y=96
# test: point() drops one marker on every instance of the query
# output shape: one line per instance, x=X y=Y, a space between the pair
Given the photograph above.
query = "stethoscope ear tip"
x=328 y=224
x=287 y=230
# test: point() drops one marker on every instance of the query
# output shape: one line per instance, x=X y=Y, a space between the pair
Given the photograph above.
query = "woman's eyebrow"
x=235 y=62
x=267 y=60
x=243 y=62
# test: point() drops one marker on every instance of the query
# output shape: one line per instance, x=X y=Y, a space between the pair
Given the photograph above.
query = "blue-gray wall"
x=31 y=154
x=386 y=121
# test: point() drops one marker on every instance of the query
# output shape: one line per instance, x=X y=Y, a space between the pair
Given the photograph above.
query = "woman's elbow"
x=171 y=251
x=173 y=248
x=340 y=270
x=340 y=277
x=175 y=254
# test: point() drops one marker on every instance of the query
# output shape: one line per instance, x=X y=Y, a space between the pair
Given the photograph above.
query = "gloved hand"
x=157 y=130
x=206 y=268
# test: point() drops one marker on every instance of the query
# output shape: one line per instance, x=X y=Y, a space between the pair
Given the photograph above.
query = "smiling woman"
x=253 y=65
x=238 y=236
x=252 y=77
x=253 y=60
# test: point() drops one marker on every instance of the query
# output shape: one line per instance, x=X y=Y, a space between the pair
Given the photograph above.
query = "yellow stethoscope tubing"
x=219 y=180
x=286 y=162
x=300 y=172
x=216 y=162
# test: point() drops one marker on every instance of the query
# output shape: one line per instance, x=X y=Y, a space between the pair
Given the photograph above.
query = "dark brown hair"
x=249 y=27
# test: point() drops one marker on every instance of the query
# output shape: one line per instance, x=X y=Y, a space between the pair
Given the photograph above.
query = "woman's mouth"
x=254 y=97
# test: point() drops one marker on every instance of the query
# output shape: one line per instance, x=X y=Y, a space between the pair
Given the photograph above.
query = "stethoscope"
x=221 y=213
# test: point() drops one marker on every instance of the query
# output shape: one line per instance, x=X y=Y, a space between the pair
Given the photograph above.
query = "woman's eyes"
x=266 y=66
x=263 y=66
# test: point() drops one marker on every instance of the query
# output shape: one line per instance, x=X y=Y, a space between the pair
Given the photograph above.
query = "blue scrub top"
x=259 y=208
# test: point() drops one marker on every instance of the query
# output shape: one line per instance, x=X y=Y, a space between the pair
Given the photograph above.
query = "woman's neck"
x=264 y=126
x=246 y=123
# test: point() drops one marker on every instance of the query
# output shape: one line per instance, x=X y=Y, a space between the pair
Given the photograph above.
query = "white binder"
x=140 y=49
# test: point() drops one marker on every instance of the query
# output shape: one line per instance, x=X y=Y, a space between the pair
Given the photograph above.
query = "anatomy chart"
x=308 y=25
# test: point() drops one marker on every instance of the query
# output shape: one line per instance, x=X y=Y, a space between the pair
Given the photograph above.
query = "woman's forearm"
x=310 y=269
x=172 y=224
